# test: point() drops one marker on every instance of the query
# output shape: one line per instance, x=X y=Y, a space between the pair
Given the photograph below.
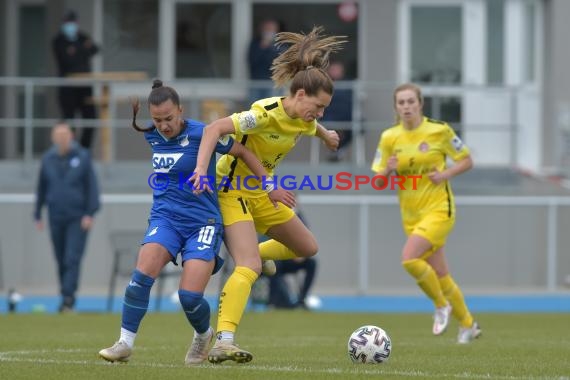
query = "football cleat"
x=467 y=334
x=227 y=351
x=119 y=352
x=198 y=351
x=441 y=319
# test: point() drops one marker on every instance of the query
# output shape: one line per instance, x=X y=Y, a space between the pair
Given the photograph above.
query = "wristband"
x=268 y=185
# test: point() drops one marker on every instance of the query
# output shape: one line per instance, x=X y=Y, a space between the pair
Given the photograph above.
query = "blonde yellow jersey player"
x=419 y=146
x=270 y=129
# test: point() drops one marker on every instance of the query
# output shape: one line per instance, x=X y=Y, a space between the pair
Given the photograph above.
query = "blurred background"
x=496 y=70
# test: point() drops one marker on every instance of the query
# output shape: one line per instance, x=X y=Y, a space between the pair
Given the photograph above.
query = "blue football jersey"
x=174 y=162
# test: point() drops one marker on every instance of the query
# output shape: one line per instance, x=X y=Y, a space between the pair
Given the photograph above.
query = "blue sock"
x=196 y=308
x=136 y=299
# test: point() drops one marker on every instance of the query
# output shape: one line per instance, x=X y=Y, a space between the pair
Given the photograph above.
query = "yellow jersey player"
x=419 y=146
x=270 y=129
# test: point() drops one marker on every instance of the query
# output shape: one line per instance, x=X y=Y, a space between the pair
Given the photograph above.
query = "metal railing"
x=193 y=92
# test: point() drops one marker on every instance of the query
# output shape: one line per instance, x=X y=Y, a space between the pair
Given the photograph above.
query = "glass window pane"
x=203 y=40
x=495 y=41
x=530 y=27
x=445 y=108
x=130 y=36
x=436 y=44
x=302 y=17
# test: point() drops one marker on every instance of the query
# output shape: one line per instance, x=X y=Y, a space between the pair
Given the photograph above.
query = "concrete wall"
x=492 y=248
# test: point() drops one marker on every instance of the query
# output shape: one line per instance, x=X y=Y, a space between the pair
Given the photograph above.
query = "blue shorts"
x=192 y=241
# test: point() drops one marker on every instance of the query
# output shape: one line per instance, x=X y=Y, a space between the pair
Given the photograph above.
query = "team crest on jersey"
x=246 y=121
x=423 y=147
x=163 y=162
x=183 y=140
x=457 y=143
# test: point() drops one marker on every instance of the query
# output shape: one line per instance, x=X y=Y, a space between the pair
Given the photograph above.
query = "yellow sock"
x=273 y=250
x=233 y=299
x=455 y=297
x=427 y=280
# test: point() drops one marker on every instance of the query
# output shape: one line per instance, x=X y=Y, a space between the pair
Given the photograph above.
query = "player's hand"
x=284 y=196
x=392 y=163
x=331 y=140
x=39 y=225
x=198 y=183
x=436 y=176
x=86 y=223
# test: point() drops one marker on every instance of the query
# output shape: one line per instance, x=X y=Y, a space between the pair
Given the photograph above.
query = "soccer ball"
x=369 y=344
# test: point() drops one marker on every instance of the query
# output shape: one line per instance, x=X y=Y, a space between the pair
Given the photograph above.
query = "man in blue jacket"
x=68 y=185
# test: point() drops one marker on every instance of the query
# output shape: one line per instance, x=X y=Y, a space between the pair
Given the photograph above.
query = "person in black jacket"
x=261 y=53
x=68 y=185
x=73 y=50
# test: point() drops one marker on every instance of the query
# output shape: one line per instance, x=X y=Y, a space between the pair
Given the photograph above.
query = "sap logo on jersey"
x=163 y=162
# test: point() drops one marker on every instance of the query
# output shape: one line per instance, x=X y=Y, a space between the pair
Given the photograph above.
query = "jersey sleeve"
x=252 y=121
x=452 y=145
x=383 y=151
x=224 y=144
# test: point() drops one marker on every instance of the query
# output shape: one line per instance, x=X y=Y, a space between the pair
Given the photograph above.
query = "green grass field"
x=287 y=345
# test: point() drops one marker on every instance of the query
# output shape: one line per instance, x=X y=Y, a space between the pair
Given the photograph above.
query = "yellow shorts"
x=435 y=227
x=237 y=208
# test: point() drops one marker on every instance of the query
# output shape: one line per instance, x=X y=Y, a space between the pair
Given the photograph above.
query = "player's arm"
x=210 y=136
x=329 y=137
x=460 y=166
x=385 y=161
x=454 y=148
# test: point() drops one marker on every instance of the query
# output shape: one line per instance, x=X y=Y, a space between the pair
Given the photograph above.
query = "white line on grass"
x=16 y=356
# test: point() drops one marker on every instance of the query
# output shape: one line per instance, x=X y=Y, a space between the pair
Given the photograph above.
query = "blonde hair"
x=305 y=61
x=407 y=86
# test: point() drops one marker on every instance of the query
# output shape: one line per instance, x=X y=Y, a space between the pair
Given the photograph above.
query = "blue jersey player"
x=180 y=222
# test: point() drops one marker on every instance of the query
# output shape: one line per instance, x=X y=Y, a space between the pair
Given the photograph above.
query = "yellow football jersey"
x=269 y=133
x=419 y=151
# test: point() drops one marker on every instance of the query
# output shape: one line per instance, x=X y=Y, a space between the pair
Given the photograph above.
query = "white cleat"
x=198 y=351
x=118 y=352
x=441 y=319
x=268 y=267
x=467 y=334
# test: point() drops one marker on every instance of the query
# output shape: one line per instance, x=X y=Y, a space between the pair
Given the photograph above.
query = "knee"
x=415 y=267
x=308 y=249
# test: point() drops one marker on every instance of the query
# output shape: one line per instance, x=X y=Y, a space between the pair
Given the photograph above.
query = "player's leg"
x=159 y=243
x=200 y=261
x=415 y=248
x=152 y=258
x=290 y=239
x=195 y=276
x=241 y=241
x=469 y=329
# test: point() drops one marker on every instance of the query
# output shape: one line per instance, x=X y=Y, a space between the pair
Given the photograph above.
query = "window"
x=436 y=48
x=203 y=40
x=130 y=39
x=302 y=17
x=495 y=41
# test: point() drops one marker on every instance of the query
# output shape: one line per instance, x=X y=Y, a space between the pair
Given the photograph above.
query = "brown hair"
x=305 y=61
x=408 y=86
x=157 y=96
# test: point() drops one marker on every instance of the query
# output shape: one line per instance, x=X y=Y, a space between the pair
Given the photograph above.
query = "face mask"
x=268 y=36
x=69 y=30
